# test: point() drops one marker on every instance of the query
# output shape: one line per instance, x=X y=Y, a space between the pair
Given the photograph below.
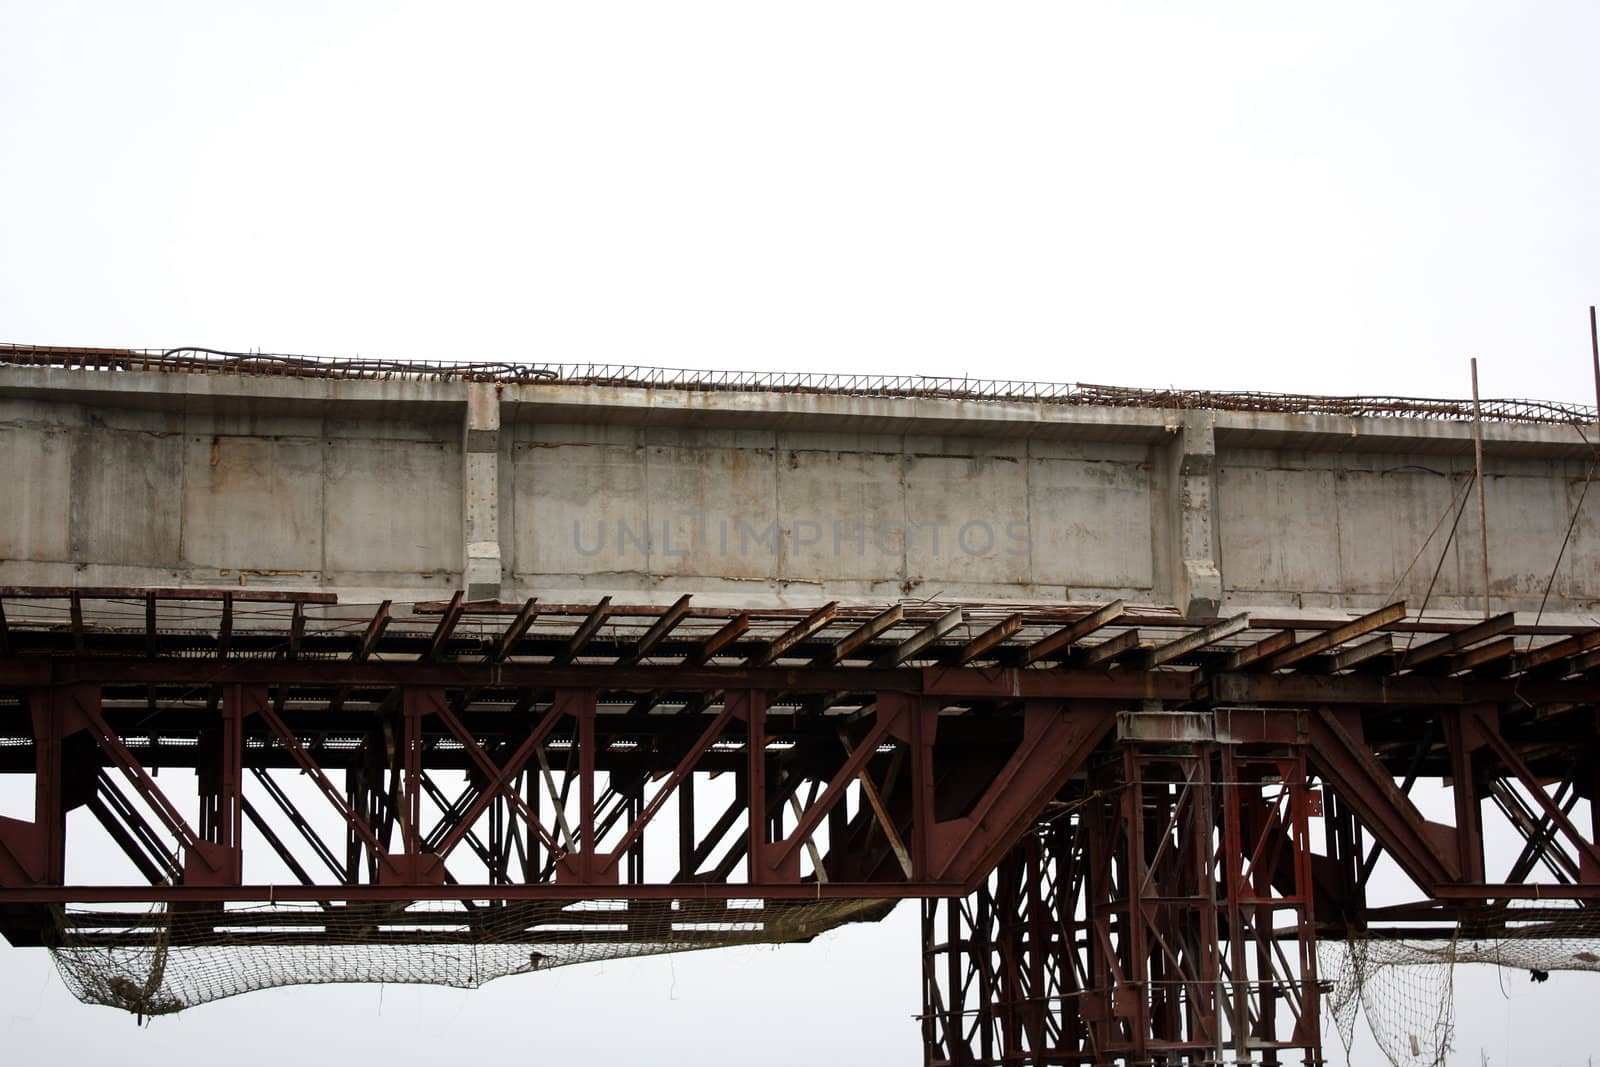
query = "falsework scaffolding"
x=1162 y=913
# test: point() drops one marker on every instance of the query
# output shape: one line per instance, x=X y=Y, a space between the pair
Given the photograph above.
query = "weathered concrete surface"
x=406 y=490
x=480 y=487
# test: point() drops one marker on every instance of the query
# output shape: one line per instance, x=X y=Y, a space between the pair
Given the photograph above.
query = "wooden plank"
x=653 y=636
x=1330 y=639
x=923 y=638
x=1109 y=649
x=1063 y=639
x=1450 y=643
x=586 y=630
x=861 y=635
x=1195 y=640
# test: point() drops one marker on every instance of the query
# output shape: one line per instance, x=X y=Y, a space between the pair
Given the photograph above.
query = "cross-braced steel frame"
x=1111 y=816
x=1163 y=914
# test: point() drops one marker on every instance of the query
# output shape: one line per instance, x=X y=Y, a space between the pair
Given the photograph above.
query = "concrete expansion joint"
x=480 y=493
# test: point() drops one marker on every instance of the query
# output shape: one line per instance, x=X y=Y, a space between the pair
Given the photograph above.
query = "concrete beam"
x=747 y=498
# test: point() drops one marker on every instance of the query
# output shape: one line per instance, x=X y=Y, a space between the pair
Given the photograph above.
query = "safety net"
x=163 y=960
x=1406 y=988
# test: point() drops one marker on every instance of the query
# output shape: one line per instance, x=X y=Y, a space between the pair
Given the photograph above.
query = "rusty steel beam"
x=375 y=628
x=1474 y=658
x=1363 y=783
x=1566 y=648
x=794 y=635
x=1062 y=640
x=511 y=891
x=658 y=631
x=953 y=682
x=1330 y=639
x=1109 y=650
x=1254 y=653
x=1355 y=655
x=922 y=640
x=1461 y=639
x=989 y=640
x=1193 y=641
x=514 y=632
x=585 y=633
x=251 y=596
x=858 y=638
x=446 y=626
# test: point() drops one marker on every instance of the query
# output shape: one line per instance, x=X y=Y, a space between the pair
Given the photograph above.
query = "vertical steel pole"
x=585 y=700
x=1477 y=445
x=1594 y=346
x=930 y=1003
x=1234 y=885
x=755 y=717
x=1137 y=978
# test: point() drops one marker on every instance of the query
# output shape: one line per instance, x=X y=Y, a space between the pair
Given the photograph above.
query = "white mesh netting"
x=158 y=962
x=1406 y=988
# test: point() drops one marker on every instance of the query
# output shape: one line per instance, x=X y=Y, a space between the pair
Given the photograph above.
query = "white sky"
x=1242 y=196
x=1261 y=196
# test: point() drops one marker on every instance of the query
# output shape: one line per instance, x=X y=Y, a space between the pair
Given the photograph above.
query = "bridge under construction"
x=328 y=672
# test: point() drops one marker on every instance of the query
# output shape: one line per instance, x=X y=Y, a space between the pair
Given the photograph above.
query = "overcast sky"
x=1353 y=200
x=1241 y=196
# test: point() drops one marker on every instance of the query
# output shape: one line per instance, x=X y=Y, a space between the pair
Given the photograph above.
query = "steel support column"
x=1161 y=914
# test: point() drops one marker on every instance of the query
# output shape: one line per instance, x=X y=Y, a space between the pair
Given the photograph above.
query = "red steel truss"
x=1110 y=814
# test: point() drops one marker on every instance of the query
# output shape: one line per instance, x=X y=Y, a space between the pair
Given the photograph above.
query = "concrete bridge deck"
x=410 y=487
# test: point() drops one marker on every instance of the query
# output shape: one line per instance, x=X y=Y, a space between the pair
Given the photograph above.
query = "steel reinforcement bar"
x=198 y=360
